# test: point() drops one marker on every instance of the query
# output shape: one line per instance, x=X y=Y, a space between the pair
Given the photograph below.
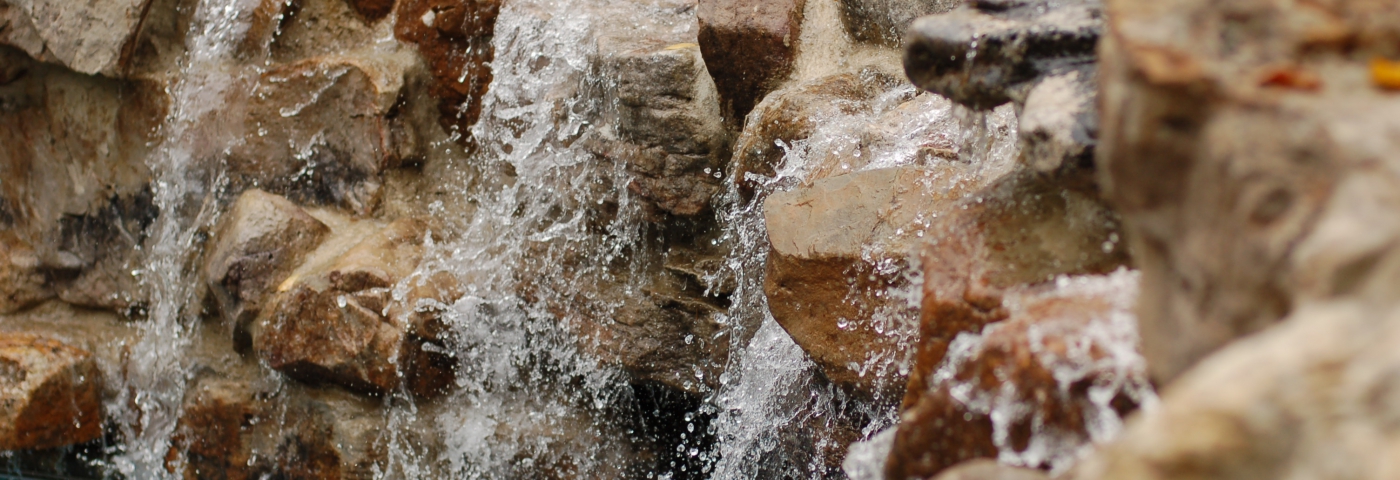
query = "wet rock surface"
x=885 y=21
x=749 y=48
x=50 y=393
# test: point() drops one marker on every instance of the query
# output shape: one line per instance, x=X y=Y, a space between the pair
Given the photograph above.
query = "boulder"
x=22 y=283
x=88 y=38
x=983 y=469
x=884 y=21
x=749 y=48
x=260 y=240
x=331 y=320
x=237 y=429
x=322 y=130
x=50 y=393
x=75 y=185
x=1058 y=374
x=988 y=53
x=453 y=38
x=1314 y=396
x=666 y=128
x=796 y=113
x=1230 y=152
x=1020 y=230
x=840 y=250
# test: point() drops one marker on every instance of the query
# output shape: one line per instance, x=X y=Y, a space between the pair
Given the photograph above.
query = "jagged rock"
x=839 y=248
x=1224 y=148
x=322 y=130
x=332 y=323
x=1058 y=373
x=50 y=393
x=749 y=47
x=884 y=21
x=22 y=283
x=75 y=176
x=988 y=53
x=668 y=128
x=1020 y=230
x=234 y=428
x=1312 y=397
x=454 y=39
x=88 y=38
x=262 y=238
x=795 y=113
x=983 y=469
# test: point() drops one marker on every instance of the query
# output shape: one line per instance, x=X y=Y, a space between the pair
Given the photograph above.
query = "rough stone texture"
x=1059 y=373
x=262 y=238
x=454 y=39
x=795 y=113
x=667 y=126
x=233 y=428
x=839 y=247
x=884 y=21
x=22 y=283
x=1248 y=152
x=50 y=393
x=983 y=469
x=989 y=53
x=749 y=48
x=1313 y=397
x=75 y=178
x=322 y=130
x=330 y=323
x=88 y=38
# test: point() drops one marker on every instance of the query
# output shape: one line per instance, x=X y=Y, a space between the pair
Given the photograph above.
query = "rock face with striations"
x=50 y=393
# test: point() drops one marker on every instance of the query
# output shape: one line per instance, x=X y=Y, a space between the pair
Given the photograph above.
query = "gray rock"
x=884 y=21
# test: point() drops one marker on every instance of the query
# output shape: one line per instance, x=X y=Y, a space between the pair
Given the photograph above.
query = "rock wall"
x=697 y=238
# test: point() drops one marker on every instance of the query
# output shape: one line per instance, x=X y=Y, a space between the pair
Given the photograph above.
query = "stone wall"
x=994 y=229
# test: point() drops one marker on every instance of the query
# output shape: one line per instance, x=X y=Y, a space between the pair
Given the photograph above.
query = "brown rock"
x=454 y=39
x=50 y=393
x=1060 y=372
x=749 y=47
x=261 y=239
x=796 y=112
x=1221 y=173
x=88 y=38
x=331 y=323
x=982 y=469
x=321 y=130
x=234 y=429
x=884 y=21
x=22 y=284
x=666 y=129
x=1312 y=397
x=1020 y=230
x=839 y=249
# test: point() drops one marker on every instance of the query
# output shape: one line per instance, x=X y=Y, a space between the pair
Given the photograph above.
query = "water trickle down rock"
x=50 y=393
x=331 y=320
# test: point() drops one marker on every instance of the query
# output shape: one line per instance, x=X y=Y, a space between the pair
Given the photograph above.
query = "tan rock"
x=1033 y=390
x=749 y=48
x=88 y=38
x=1311 y=397
x=1223 y=161
x=261 y=239
x=50 y=393
x=22 y=284
x=884 y=21
x=331 y=323
x=840 y=248
x=983 y=469
x=796 y=113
